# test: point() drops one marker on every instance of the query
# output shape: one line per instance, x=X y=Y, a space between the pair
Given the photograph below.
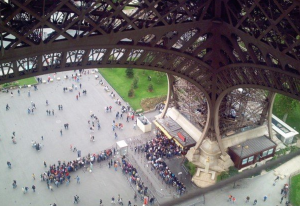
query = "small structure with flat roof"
x=283 y=131
x=122 y=146
x=174 y=131
x=144 y=124
x=252 y=151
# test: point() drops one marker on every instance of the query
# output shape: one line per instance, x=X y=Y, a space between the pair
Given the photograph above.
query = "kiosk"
x=122 y=146
x=144 y=124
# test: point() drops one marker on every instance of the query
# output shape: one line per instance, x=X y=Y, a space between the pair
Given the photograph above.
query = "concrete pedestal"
x=209 y=150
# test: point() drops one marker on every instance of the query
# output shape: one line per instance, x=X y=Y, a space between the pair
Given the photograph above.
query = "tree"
x=135 y=82
x=150 y=87
x=159 y=75
x=283 y=105
x=131 y=92
x=129 y=72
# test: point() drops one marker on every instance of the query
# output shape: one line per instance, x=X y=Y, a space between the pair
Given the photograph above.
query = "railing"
x=151 y=192
x=141 y=156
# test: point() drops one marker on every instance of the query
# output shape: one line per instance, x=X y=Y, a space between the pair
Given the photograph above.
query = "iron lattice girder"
x=190 y=101
x=215 y=44
x=242 y=108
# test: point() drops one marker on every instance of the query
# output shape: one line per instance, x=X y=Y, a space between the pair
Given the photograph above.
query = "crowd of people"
x=159 y=148
x=135 y=179
x=59 y=173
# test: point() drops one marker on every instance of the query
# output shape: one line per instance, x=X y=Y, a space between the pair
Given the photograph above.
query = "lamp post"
x=241 y=158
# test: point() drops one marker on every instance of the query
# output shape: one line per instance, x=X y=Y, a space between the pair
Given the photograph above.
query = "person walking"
x=7 y=107
x=255 y=201
x=45 y=164
x=75 y=199
x=265 y=198
x=247 y=199
x=116 y=166
x=8 y=164
x=14 y=184
x=33 y=188
x=113 y=200
x=229 y=198
x=116 y=136
x=60 y=132
x=233 y=200
x=33 y=176
x=78 y=179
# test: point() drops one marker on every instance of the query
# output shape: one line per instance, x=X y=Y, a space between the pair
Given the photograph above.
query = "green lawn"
x=295 y=190
x=118 y=80
x=28 y=81
x=21 y=82
x=280 y=108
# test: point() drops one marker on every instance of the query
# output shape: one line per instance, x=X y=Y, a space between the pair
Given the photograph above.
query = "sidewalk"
x=256 y=188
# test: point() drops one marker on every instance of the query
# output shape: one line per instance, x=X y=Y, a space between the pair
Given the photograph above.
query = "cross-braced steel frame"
x=217 y=45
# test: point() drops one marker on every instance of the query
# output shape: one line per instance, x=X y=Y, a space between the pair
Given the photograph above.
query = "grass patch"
x=122 y=84
x=293 y=117
x=295 y=191
x=21 y=82
x=226 y=174
x=191 y=167
x=28 y=81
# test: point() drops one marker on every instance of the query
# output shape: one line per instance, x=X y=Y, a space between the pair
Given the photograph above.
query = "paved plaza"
x=102 y=183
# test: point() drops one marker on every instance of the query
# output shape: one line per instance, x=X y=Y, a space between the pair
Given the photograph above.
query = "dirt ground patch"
x=150 y=103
